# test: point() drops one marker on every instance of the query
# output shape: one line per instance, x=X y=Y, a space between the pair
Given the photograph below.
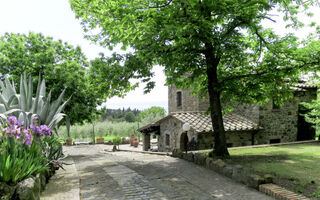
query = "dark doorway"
x=274 y=141
x=184 y=141
x=305 y=129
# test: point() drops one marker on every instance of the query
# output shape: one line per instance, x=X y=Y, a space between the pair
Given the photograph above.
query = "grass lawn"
x=296 y=167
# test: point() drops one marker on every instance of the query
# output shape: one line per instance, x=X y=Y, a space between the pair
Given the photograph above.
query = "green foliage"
x=63 y=66
x=102 y=129
x=129 y=117
x=151 y=115
x=218 y=48
x=21 y=163
x=52 y=149
x=26 y=107
x=313 y=113
x=117 y=141
x=117 y=114
x=289 y=162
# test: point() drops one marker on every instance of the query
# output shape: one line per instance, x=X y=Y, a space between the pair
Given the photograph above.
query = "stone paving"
x=132 y=175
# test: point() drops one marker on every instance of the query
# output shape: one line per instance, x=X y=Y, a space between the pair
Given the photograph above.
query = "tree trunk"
x=220 y=145
x=93 y=133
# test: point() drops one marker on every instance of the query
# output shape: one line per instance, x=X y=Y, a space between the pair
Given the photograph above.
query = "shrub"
x=117 y=141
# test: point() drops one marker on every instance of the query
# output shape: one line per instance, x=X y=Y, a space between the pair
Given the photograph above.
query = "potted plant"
x=116 y=142
x=136 y=142
x=69 y=141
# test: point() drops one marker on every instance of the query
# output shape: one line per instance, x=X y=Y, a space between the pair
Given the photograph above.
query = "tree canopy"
x=151 y=115
x=218 y=47
x=63 y=66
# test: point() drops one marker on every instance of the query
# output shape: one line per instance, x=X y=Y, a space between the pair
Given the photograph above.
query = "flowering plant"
x=21 y=155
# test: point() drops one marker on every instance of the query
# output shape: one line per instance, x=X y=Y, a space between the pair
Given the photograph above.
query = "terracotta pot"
x=136 y=143
x=125 y=141
x=132 y=138
x=100 y=140
x=69 y=141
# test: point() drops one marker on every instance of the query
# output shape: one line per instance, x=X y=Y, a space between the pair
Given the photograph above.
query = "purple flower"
x=38 y=130
x=8 y=131
x=28 y=142
x=35 y=119
x=45 y=130
x=12 y=120
x=33 y=127
x=20 y=124
x=56 y=163
x=27 y=139
x=25 y=131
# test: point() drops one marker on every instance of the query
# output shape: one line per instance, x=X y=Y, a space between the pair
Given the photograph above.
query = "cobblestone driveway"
x=128 y=175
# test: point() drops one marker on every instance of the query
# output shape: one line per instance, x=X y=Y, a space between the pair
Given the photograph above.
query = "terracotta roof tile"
x=200 y=122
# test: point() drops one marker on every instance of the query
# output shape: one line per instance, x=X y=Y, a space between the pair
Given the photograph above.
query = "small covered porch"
x=147 y=131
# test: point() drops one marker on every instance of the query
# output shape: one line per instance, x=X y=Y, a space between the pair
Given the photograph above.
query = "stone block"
x=29 y=189
x=268 y=178
x=209 y=162
x=227 y=171
x=238 y=174
x=218 y=165
x=6 y=191
x=189 y=157
x=255 y=180
x=200 y=159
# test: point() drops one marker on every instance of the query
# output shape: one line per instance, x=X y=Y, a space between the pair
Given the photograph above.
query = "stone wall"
x=172 y=127
x=249 y=111
x=234 y=139
x=282 y=123
x=189 y=102
x=204 y=104
x=279 y=123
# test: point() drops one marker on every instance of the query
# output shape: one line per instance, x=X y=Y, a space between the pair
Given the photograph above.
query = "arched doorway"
x=184 y=141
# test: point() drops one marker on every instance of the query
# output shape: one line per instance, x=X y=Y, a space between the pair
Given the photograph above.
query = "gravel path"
x=132 y=175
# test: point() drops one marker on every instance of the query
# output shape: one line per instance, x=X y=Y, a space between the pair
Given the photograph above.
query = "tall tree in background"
x=219 y=48
x=151 y=115
x=63 y=66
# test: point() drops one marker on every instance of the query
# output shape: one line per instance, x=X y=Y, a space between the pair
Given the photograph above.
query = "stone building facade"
x=246 y=125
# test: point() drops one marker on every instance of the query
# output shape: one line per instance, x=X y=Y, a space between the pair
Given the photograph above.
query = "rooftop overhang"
x=150 y=128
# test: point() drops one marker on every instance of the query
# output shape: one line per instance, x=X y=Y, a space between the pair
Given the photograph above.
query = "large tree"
x=61 y=64
x=219 y=47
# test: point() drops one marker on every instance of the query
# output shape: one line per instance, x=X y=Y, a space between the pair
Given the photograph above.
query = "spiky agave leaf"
x=25 y=106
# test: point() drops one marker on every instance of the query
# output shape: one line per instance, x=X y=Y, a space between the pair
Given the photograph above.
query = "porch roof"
x=200 y=122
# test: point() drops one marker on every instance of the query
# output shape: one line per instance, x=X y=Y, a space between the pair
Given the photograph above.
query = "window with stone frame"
x=179 y=99
x=167 y=139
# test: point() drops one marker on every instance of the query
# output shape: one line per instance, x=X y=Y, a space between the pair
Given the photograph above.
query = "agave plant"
x=26 y=107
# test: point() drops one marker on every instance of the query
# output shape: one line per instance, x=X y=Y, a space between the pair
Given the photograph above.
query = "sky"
x=56 y=19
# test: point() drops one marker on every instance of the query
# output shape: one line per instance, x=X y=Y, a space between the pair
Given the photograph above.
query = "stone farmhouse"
x=246 y=125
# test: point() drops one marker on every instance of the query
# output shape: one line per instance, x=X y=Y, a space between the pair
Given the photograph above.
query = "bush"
x=117 y=141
